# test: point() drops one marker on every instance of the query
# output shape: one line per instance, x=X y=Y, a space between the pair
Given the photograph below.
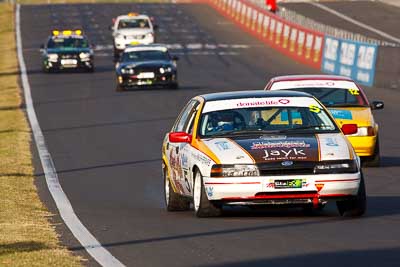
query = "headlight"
x=234 y=170
x=52 y=57
x=127 y=71
x=163 y=70
x=149 y=35
x=332 y=167
x=84 y=55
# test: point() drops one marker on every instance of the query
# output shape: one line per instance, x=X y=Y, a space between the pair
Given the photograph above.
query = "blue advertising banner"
x=349 y=58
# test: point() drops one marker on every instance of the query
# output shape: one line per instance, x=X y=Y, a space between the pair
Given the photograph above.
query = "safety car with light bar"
x=67 y=49
x=279 y=148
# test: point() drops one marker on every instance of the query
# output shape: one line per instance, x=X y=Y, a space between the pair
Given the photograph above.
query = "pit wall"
x=315 y=49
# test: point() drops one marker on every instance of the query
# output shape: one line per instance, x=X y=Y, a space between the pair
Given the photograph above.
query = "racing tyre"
x=174 y=86
x=375 y=160
x=356 y=206
x=202 y=206
x=174 y=201
x=120 y=88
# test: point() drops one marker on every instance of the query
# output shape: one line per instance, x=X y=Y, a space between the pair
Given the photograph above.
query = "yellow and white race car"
x=347 y=103
x=260 y=148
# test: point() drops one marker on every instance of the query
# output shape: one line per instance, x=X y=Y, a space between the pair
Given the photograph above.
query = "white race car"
x=131 y=29
x=260 y=148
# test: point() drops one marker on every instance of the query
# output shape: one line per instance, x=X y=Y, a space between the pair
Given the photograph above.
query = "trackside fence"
x=368 y=61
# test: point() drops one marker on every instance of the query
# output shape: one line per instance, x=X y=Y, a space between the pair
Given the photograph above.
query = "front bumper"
x=261 y=190
x=363 y=145
x=60 y=65
x=158 y=80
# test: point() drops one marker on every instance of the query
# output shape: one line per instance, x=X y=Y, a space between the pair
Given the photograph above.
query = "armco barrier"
x=351 y=59
x=328 y=54
x=293 y=40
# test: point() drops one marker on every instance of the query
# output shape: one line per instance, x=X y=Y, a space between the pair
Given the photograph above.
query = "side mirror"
x=111 y=28
x=41 y=48
x=180 y=137
x=349 y=129
x=175 y=58
x=155 y=27
x=377 y=105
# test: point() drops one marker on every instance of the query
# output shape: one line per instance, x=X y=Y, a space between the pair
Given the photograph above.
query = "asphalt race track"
x=381 y=16
x=106 y=146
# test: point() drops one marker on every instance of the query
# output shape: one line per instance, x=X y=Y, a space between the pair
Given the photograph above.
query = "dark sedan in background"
x=146 y=65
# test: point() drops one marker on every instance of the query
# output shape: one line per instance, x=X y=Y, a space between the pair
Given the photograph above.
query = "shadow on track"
x=371 y=257
x=390 y=161
x=378 y=206
x=111 y=165
x=98 y=125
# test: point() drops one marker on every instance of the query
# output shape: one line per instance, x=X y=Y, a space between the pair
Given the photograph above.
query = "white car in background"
x=132 y=29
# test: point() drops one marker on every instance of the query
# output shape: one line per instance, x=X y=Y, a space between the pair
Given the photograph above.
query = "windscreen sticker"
x=315 y=109
x=312 y=83
x=354 y=91
x=259 y=102
x=341 y=114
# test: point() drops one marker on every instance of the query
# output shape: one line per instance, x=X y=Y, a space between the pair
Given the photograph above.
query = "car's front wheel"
x=202 y=206
x=356 y=206
x=174 y=201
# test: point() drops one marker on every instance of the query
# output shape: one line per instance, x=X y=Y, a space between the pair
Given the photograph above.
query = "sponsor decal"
x=285 y=184
x=287 y=163
x=263 y=103
x=279 y=154
x=331 y=142
x=210 y=191
x=304 y=148
x=280 y=144
x=341 y=114
x=223 y=145
x=201 y=158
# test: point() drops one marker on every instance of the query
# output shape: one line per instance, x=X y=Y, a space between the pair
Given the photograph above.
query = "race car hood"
x=67 y=50
x=361 y=116
x=146 y=64
x=278 y=148
x=134 y=31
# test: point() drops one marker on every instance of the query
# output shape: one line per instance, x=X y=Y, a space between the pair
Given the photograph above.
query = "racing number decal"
x=315 y=109
x=354 y=91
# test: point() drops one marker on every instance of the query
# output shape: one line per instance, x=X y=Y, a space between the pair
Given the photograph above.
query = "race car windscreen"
x=133 y=23
x=336 y=97
x=266 y=120
x=67 y=42
x=145 y=55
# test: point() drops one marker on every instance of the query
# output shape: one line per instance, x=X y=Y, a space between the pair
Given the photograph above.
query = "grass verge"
x=26 y=236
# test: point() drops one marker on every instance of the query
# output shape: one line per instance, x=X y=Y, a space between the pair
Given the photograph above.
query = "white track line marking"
x=87 y=240
x=360 y=24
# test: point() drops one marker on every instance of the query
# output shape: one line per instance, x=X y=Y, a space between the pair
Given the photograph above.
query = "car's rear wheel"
x=202 y=206
x=356 y=206
x=174 y=201
x=375 y=160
